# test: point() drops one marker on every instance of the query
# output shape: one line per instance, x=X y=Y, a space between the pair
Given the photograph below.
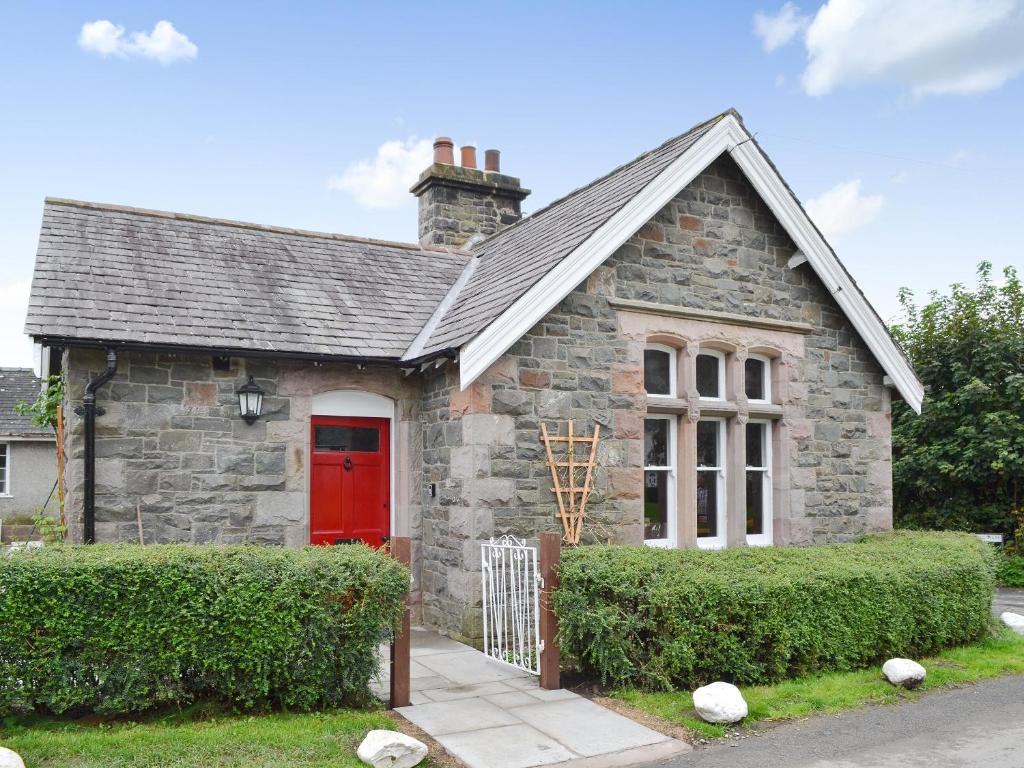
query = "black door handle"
x=347 y=464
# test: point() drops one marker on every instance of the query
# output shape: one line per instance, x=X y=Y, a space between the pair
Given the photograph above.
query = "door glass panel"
x=755 y=502
x=707 y=503
x=656 y=504
x=657 y=377
x=753 y=379
x=656 y=442
x=707 y=376
x=707 y=443
x=347 y=439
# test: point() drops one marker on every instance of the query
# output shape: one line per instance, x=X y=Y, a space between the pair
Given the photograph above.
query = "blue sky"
x=899 y=126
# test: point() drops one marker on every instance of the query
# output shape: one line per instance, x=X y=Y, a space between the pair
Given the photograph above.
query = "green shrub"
x=678 y=618
x=122 y=628
x=1011 y=571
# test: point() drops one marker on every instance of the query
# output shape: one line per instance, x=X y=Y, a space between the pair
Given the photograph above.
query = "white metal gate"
x=511 y=592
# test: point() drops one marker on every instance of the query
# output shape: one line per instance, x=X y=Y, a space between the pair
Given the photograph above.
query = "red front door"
x=350 y=480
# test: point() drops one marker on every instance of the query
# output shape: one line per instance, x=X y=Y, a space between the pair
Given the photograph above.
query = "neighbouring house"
x=684 y=302
x=28 y=456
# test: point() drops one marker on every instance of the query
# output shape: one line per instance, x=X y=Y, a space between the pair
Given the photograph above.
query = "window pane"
x=707 y=444
x=754 y=379
x=656 y=504
x=707 y=504
x=755 y=502
x=707 y=376
x=755 y=445
x=656 y=442
x=657 y=376
x=349 y=439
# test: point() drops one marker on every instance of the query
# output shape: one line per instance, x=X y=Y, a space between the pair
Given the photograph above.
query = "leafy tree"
x=44 y=410
x=960 y=464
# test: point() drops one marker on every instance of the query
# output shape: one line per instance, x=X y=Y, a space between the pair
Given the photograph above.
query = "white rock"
x=1014 y=621
x=390 y=749
x=720 y=703
x=904 y=672
x=10 y=759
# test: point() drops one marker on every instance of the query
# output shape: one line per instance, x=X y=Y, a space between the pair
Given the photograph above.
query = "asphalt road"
x=982 y=725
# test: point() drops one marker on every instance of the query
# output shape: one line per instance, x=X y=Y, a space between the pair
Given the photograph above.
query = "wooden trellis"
x=571 y=476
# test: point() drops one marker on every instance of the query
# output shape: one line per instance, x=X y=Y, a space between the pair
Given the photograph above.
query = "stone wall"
x=717 y=247
x=171 y=445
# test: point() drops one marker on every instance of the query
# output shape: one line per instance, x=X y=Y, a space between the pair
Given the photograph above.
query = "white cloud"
x=776 y=30
x=384 y=181
x=843 y=209
x=934 y=47
x=900 y=178
x=15 y=346
x=164 y=44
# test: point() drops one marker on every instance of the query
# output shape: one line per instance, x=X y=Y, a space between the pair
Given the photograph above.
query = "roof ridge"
x=704 y=124
x=247 y=225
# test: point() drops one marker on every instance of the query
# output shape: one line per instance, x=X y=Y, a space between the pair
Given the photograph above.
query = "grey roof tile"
x=512 y=261
x=109 y=273
x=19 y=385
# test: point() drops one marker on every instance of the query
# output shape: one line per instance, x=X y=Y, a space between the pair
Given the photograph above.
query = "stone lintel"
x=691 y=313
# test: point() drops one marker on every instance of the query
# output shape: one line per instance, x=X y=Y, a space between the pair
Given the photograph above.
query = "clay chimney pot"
x=492 y=160
x=468 y=157
x=444 y=151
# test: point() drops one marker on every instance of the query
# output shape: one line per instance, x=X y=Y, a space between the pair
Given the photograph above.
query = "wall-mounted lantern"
x=250 y=401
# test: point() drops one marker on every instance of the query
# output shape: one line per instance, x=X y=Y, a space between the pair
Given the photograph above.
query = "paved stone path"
x=492 y=715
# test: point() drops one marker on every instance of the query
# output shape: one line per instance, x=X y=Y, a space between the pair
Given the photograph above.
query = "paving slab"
x=469 y=668
x=492 y=715
x=442 y=717
x=586 y=728
x=511 y=746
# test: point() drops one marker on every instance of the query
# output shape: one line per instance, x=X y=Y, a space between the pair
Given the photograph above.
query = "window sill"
x=660 y=543
x=710 y=543
x=764 y=411
x=662 y=404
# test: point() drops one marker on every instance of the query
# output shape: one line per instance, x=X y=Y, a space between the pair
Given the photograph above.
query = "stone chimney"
x=460 y=201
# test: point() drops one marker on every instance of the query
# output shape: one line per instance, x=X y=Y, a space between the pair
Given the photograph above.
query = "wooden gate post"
x=550 y=657
x=401 y=551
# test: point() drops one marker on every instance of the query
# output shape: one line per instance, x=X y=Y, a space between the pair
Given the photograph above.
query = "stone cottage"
x=246 y=383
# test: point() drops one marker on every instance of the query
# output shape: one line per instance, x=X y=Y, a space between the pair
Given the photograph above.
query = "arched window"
x=711 y=374
x=660 y=371
x=757 y=379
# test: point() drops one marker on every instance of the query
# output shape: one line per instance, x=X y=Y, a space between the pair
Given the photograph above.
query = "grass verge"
x=1001 y=654
x=318 y=740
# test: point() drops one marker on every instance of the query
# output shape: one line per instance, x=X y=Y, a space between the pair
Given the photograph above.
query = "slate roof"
x=512 y=261
x=117 y=274
x=18 y=385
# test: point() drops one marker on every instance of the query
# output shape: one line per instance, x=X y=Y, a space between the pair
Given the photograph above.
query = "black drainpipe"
x=89 y=411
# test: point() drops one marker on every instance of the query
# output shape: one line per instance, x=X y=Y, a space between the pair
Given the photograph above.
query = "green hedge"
x=1011 y=571
x=122 y=628
x=679 y=618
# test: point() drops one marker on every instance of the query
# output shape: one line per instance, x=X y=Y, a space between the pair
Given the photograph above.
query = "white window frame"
x=6 y=449
x=762 y=539
x=767 y=363
x=721 y=374
x=716 y=542
x=671 y=539
x=672 y=365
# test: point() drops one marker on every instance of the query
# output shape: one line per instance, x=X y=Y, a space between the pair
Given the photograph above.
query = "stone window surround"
x=782 y=347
